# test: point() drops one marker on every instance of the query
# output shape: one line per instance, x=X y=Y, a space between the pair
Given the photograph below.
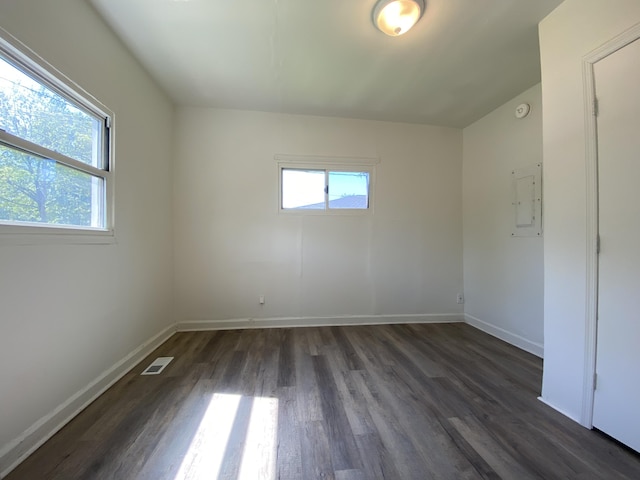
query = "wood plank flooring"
x=346 y=403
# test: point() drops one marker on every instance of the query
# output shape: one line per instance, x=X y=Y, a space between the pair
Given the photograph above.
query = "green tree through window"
x=35 y=188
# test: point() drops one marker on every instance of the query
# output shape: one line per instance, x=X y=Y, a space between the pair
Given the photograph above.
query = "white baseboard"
x=536 y=349
x=341 y=320
x=13 y=453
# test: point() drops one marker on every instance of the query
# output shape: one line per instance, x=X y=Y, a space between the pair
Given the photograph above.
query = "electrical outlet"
x=460 y=298
x=261 y=299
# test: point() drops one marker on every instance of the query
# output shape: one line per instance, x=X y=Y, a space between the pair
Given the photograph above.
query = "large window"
x=54 y=151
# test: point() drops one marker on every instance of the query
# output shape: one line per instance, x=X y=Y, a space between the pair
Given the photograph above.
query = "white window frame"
x=327 y=165
x=36 y=233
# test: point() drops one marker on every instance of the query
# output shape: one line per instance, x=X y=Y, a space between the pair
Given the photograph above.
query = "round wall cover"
x=522 y=110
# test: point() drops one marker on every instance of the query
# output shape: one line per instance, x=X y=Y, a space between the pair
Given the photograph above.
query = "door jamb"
x=591 y=159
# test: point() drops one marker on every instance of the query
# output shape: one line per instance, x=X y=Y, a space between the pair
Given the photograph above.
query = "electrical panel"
x=526 y=201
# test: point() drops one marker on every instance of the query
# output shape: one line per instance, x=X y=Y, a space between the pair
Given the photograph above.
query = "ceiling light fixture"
x=395 y=17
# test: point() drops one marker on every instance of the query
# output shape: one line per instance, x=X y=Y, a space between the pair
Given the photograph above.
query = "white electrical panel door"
x=526 y=201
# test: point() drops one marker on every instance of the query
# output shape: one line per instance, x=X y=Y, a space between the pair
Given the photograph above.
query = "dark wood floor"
x=344 y=403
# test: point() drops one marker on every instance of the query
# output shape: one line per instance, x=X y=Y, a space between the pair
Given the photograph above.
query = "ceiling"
x=463 y=59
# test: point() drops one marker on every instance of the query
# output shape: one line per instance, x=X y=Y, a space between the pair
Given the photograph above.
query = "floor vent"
x=157 y=366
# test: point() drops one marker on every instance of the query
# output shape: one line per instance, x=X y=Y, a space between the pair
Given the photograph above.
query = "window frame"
x=327 y=165
x=24 y=59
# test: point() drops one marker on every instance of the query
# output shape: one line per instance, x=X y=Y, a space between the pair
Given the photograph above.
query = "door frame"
x=591 y=159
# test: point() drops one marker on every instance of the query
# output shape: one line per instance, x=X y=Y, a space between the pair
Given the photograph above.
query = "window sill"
x=324 y=213
x=47 y=235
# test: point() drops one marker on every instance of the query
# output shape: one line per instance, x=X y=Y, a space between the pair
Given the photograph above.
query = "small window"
x=325 y=189
x=54 y=151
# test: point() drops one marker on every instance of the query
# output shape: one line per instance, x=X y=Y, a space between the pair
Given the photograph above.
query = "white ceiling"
x=463 y=59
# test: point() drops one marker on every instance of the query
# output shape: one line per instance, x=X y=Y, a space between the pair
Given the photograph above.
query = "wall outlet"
x=261 y=299
x=460 y=298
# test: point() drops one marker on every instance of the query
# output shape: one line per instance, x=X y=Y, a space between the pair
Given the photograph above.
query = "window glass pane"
x=36 y=113
x=37 y=190
x=303 y=189
x=349 y=190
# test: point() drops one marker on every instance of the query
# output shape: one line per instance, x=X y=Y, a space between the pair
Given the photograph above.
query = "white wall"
x=70 y=312
x=573 y=30
x=503 y=275
x=231 y=244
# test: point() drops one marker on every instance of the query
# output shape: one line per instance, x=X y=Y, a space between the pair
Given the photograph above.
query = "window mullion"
x=326 y=189
x=13 y=141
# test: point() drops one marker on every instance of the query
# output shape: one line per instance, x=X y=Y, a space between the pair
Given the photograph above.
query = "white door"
x=617 y=396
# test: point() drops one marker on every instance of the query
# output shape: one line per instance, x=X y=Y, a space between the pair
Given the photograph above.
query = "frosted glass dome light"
x=396 y=17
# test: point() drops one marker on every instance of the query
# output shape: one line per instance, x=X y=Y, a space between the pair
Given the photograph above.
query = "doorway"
x=616 y=399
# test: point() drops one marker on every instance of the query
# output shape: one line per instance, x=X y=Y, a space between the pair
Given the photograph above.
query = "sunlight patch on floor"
x=259 y=456
x=210 y=447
